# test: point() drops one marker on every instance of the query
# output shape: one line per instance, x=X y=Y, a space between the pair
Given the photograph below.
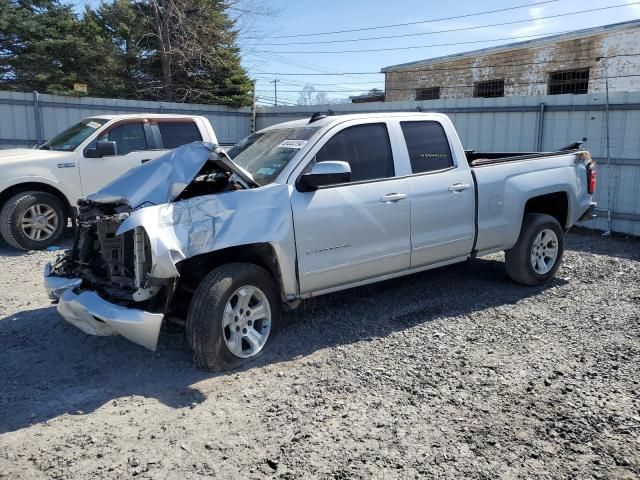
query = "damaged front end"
x=103 y=285
x=112 y=281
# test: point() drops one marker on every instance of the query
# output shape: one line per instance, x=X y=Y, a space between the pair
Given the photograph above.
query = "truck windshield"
x=265 y=154
x=73 y=136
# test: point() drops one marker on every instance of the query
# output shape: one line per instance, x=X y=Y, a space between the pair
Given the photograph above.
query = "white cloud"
x=634 y=8
x=536 y=27
x=536 y=12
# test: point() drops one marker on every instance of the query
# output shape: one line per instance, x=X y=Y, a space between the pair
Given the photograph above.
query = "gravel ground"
x=453 y=373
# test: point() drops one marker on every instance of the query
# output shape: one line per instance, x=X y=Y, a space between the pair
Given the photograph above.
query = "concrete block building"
x=576 y=63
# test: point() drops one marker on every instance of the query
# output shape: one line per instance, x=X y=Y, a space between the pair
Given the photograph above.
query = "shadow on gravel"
x=50 y=368
x=591 y=241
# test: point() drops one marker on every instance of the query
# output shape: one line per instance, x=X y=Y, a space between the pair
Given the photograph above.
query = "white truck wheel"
x=32 y=220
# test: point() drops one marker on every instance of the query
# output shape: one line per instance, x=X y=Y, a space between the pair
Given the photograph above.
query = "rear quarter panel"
x=504 y=189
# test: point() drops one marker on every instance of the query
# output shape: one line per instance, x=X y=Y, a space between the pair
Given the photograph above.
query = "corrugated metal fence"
x=28 y=118
x=492 y=124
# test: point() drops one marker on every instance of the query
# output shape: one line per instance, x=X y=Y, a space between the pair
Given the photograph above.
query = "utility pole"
x=605 y=65
x=275 y=89
x=253 y=108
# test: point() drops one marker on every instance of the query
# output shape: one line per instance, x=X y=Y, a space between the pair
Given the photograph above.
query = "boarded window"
x=569 y=81
x=432 y=93
x=489 y=89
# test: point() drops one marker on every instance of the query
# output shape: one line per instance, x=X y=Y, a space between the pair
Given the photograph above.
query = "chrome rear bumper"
x=94 y=315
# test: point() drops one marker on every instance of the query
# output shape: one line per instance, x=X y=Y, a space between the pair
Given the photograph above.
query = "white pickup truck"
x=40 y=187
x=301 y=209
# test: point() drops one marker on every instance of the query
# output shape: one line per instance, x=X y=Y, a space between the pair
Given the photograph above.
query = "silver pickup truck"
x=222 y=242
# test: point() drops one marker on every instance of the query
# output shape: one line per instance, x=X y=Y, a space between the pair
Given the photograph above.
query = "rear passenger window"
x=175 y=134
x=365 y=147
x=428 y=146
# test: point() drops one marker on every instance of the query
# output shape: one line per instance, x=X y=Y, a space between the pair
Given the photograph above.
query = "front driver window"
x=365 y=147
x=129 y=137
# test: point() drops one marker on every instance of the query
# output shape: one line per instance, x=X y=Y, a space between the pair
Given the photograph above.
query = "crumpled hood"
x=158 y=181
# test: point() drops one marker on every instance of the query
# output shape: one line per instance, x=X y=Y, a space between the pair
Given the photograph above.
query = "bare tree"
x=195 y=48
x=306 y=95
x=321 y=98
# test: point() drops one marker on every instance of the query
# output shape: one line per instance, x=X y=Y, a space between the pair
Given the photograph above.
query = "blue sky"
x=310 y=16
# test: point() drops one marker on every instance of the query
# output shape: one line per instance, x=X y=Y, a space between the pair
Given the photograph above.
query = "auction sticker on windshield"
x=295 y=144
x=93 y=125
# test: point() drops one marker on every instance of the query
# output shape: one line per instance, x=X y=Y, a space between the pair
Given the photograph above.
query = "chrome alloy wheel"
x=40 y=222
x=544 y=251
x=246 y=321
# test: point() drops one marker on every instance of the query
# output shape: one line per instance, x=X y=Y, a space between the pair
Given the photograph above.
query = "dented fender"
x=187 y=228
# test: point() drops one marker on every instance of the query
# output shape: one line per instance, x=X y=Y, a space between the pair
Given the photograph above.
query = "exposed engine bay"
x=118 y=266
x=145 y=241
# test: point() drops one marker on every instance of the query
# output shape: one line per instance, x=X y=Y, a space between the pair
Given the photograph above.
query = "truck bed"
x=504 y=178
x=479 y=159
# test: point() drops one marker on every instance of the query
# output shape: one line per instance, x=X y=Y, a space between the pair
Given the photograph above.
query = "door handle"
x=145 y=160
x=393 y=197
x=458 y=187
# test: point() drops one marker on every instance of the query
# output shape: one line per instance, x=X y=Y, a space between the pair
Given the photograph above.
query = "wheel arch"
x=192 y=270
x=12 y=190
x=555 y=204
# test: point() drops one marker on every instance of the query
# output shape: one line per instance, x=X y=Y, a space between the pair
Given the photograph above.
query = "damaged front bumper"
x=96 y=316
x=56 y=286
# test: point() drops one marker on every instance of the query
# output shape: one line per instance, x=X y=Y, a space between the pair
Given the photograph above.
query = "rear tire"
x=33 y=220
x=234 y=314
x=536 y=257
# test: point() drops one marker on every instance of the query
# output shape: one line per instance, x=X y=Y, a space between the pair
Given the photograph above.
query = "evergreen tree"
x=120 y=64
x=41 y=47
x=190 y=52
x=172 y=50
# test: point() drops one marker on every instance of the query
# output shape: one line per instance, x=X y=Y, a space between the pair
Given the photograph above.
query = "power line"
x=429 y=70
x=426 y=69
x=267 y=99
x=295 y=63
x=418 y=22
x=513 y=22
x=418 y=46
x=506 y=84
x=302 y=84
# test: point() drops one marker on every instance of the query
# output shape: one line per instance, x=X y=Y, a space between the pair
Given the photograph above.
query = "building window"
x=490 y=88
x=569 y=81
x=432 y=93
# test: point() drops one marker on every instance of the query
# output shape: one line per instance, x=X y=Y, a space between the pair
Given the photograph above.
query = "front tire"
x=233 y=315
x=33 y=220
x=536 y=257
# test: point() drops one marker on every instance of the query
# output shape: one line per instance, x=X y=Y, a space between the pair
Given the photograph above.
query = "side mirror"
x=325 y=173
x=103 y=148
